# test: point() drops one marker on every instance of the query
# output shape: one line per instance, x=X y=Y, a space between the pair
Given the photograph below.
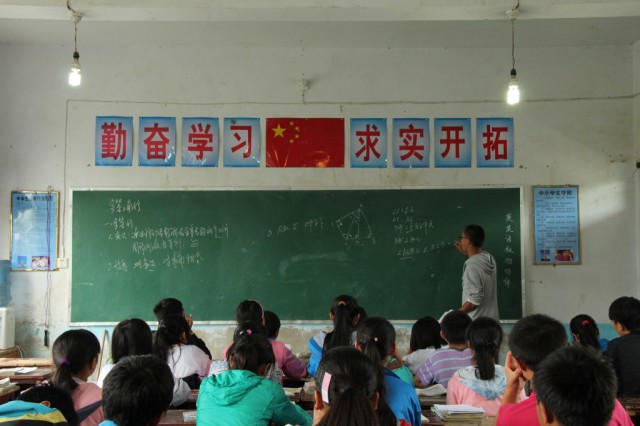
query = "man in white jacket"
x=479 y=275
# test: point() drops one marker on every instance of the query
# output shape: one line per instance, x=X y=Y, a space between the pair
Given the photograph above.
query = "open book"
x=433 y=390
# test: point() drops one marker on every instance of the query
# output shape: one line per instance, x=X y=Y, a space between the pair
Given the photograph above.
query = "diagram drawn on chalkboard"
x=355 y=227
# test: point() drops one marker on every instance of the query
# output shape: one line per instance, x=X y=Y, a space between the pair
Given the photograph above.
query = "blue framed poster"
x=556 y=225
x=34 y=230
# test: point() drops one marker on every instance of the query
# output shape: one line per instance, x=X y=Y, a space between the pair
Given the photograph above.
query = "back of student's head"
x=534 y=337
x=345 y=313
x=585 y=331
x=376 y=338
x=577 y=386
x=72 y=351
x=425 y=333
x=57 y=399
x=130 y=337
x=250 y=352
x=626 y=311
x=171 y=331
x=484 y=335
x=249 y=310
x=272 y=322
x=137 y=391
x=168 y=307
x=454 y=327
x=250 y=327
x=351 y=381
x=475 y=234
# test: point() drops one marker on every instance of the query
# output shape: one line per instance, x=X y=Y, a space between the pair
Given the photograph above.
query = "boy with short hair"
x=623 y=351
x=575 y=386
x=42 y=404
x=444 y=362
x=532 y=339
x=171 y=307
x=137 y=392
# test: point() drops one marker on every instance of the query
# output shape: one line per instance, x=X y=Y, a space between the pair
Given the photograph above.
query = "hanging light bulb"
x=75 y=78
x=513 y=93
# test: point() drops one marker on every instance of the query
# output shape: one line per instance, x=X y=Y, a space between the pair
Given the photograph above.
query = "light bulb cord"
x=513 y=16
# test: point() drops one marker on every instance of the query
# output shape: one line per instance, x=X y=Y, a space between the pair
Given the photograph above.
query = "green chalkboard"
x=292 y=250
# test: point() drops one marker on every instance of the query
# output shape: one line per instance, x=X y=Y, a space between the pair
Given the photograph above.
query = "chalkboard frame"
x=310 y=322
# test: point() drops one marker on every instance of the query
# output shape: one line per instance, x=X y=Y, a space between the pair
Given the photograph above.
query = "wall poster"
x=556 y=225
x=34 y=230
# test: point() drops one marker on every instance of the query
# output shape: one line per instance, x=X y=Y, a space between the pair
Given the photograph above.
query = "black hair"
x=577 y=386
x=425 y=333
x=626 y=311
x=249 y=310
x=169 y=333
x=361 y=316
x=484 y=335
x=454 y=327
x=376 y=338
x=137 y=390
x=250 y=327
x=72 y=351
x=352 y=387
x=534 y=337
x=475 y=234
x=168 y=307
x=250 y=352
x=272 y=322
x=586 y=330
x=57 y=398
x=130 y=337
x=344 y=310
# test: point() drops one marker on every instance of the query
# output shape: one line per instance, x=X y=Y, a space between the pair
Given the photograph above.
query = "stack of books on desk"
x=458 y=413
x=5 y=384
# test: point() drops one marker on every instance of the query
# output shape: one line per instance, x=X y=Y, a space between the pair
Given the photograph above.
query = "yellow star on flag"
x=278 y=131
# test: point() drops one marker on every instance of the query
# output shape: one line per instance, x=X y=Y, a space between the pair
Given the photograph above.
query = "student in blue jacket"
x=244 y=395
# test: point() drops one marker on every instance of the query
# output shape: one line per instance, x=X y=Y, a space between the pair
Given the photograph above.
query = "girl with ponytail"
x=585 y=332
x=187 y=362
x=376 y=338
x=75 y=356
x=483 y=383
x=345 y=314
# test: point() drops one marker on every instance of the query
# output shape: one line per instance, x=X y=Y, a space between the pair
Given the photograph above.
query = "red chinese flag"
x=305 y=142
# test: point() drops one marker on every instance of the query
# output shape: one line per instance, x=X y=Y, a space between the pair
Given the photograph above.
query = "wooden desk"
x=25 y=362
x=176 y=418
x=427 y=402
x=9 y=393
x=35 y=377
x=434 y=420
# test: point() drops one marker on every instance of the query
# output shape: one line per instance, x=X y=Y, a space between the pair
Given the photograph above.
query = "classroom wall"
x=575 y=126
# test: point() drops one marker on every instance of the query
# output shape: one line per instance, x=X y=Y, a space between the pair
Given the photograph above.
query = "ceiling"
x=321 y=23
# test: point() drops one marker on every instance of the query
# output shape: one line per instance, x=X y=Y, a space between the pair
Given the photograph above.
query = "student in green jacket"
x=244 y=395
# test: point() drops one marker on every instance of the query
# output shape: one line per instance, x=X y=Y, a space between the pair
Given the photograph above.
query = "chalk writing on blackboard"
x=355 y=227
x=508 y=249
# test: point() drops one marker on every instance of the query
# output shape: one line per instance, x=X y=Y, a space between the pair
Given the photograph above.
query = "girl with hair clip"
x=75 y=355
x=243 y=395
x=425 y=339
x=376 y=338
x=186 y=362
x=483 y=383
x=347 y=391
x=585 y=332
x=345 y=314
x=133 y=337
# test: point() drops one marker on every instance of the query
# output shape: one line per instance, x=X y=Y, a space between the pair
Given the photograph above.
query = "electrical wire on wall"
x=47 y=297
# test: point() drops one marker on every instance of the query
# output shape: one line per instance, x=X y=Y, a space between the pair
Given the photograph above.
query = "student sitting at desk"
x=42 y=404
x=291 y=366
x=243 y=395
x=187 y=362
x=425 y=339
x=444 y=362
x=171 y=307
x=624 y=313
x=75 y=355
x=133 y=337
x=345 y=314
x=137 y=392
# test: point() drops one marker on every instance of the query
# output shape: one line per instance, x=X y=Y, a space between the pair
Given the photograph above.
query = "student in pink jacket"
x=291 y=366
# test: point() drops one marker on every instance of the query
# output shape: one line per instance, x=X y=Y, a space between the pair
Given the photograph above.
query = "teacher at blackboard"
x=479 y=275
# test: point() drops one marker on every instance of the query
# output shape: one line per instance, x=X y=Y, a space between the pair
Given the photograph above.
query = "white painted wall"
x=575 y=126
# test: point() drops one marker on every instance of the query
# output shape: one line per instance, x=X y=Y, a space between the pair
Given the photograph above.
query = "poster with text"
x=556 y=225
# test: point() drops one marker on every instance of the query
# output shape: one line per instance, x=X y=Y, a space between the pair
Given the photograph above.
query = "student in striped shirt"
x=444 y=362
